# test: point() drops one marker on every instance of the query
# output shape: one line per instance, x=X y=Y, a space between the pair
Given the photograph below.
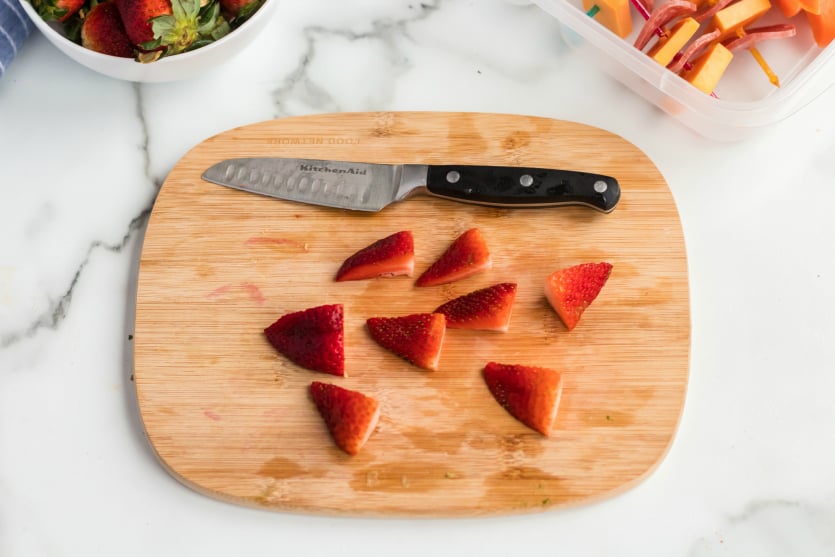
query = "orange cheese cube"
x=665 y=49
x=709 y=67
x=614 y=14
x=823 y=24
x=739 y=14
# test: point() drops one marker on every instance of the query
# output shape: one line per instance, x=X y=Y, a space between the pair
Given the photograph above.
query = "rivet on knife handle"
x=523 y=187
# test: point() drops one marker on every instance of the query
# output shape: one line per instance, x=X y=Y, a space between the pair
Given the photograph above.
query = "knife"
x=371 y=187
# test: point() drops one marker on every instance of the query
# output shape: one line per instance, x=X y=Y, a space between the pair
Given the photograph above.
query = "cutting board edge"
x=207 y=143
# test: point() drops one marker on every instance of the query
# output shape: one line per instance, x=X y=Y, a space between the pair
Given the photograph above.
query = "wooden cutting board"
x=229 y=417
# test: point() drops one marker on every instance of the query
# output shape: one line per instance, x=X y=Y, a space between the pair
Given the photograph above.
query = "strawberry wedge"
x=466 y=256
x=571 y=290
x=530 y=394
x=486 y=309
x=390 y=256
x=350 y=416
x=312 y=338
x=417 y=338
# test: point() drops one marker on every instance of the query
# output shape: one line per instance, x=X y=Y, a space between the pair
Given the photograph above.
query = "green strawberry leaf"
x=198 y=44
x=72 y=28
x=189 y=23
x=208 y=18
x=164 y=27
x=221 y=30
x=185 y=9
x=151 y=45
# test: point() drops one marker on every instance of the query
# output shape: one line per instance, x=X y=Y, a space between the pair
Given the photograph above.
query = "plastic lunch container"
x=745 y=101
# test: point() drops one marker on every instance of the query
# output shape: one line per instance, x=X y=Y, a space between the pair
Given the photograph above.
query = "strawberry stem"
x=188 y=26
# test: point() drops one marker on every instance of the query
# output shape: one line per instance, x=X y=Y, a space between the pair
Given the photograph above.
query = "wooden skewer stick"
x=772 y=77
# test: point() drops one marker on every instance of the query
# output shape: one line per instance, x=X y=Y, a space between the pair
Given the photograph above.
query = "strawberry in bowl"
x=150 y=40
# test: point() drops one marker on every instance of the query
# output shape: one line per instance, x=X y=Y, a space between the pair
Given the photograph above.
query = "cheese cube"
x=614 y=14
x=739 y=14
x=707 y=70
x=665 y=49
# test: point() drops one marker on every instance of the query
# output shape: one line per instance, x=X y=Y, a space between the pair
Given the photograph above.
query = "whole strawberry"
x=103 y=31
x=172 y=26
x=137 y=15
x=57 y=10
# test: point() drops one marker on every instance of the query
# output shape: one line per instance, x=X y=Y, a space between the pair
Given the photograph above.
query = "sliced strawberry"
x=391 y=256
x=312 y=338
x=350 y=415
x=103 y=31
x=530 y=394
x=486 y=309
x=466 y=256
x=571 y=290
x=417 y=338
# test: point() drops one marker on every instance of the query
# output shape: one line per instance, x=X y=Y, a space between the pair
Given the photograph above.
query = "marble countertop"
x=751 y=470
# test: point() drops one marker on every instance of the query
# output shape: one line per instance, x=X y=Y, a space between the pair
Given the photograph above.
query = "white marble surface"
x=751 y=471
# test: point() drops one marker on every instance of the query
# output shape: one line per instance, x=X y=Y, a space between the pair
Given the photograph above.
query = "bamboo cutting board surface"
x=231 y=418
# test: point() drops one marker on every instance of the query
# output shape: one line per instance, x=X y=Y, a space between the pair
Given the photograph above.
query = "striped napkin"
x=14 y=28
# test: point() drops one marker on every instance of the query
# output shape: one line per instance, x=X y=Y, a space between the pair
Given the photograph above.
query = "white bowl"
x=170 y=68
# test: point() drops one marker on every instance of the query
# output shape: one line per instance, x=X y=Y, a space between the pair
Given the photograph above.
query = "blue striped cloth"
x=14 y=28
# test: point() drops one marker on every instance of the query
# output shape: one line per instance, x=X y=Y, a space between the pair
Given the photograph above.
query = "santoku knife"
x=371 y=187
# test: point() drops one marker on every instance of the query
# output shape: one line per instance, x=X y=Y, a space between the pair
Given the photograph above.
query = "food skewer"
x=772 y=77
x=728 y=20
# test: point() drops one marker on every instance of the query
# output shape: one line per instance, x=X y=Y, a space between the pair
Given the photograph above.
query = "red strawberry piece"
x=530 y=394
x=312 y=338
x=486 y=309
x=466 y=256
x=350 y=415
x=137 y=15
x=171 y=26
x=417 y=338
x=391 y=256
x=571 y=290
x=240 y=8
x=57 y=10
x=103 y=31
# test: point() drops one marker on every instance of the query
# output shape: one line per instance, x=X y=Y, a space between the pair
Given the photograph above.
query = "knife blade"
x=371 y=186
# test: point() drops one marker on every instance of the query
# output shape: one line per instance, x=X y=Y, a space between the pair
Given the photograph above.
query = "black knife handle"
x=523 y=187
